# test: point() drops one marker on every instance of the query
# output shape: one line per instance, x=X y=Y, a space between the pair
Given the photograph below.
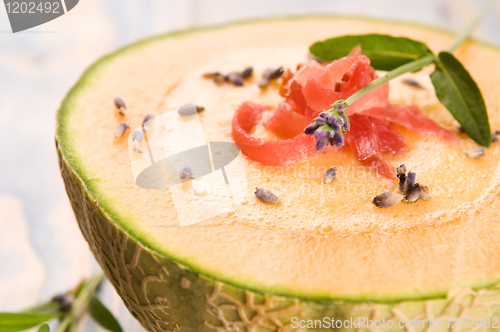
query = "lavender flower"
x=329 y=126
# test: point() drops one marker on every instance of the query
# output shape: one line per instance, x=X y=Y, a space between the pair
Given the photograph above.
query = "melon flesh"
x=325 y=242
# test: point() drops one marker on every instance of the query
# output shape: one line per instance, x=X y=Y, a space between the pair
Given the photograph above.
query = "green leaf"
x=44 y=328
x=458 y=91
x=102 y=316
x=385 y=52
x=12 y=322
x=48 y=308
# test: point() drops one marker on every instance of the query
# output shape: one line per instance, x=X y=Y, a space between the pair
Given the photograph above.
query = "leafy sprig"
x=454 y=86
x=69 y=308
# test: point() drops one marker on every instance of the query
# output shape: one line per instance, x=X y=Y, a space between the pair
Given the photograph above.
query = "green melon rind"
x=68 y=152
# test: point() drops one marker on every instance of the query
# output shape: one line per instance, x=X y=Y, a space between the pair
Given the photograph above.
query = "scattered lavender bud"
x=120 y=104
x=387 y=199
x=413 y=193
x=401 y=169
x=137 y=136
x=330 y=175
x=412 y=82
x=401 y=174
x=409 y=182
x=145 y=123
x=425 y=192
x=266 y=196
x=410 y=191
x=234 y=78
x=121 y=129
x=186 y=173
x=211 y=75
x=263 y=83
x=494 y=135
x=219 y=80
x=272 y=74
x=187 y=109
x=247 y=72
x=475 y=153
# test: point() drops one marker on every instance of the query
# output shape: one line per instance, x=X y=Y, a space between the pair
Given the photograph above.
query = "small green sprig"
x=454 y=86
x=68 y=308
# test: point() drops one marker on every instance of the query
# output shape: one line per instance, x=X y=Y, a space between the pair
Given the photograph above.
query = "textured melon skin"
x=166 y=296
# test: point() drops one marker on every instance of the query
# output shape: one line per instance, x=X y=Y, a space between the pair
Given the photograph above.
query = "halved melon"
x=326 y=250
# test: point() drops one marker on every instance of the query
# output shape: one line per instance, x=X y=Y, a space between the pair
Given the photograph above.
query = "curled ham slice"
x=411 y=118
x=272 y=153
x=286 y=122
x=369 y=138
x=311 y=90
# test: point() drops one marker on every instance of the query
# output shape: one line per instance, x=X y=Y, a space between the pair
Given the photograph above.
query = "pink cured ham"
x=368 y=139
x=311 y=90
x=410 y=117
x=286 y=122
x=272 y=153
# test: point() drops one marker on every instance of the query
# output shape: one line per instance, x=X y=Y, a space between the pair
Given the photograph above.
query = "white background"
x=41 y=249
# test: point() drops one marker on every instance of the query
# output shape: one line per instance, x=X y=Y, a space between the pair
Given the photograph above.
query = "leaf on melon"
x=385 y=52
x=458 y=91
